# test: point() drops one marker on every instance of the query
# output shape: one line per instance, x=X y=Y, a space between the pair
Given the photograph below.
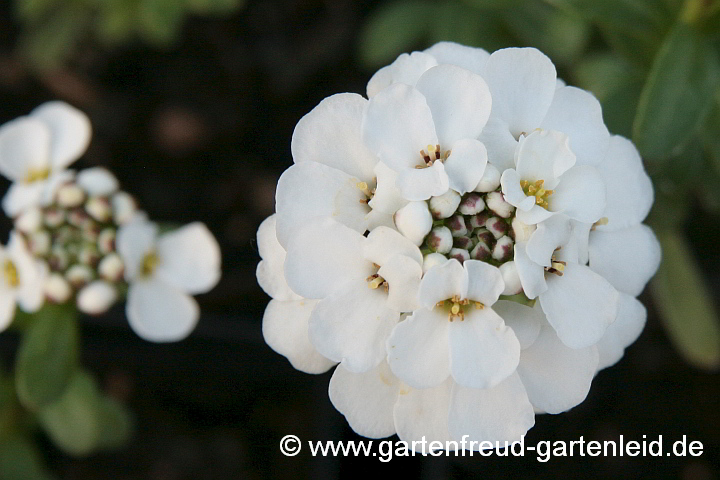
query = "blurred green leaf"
x=676 y=97
x=73 y=421
x=49 y=42
x=34 y=9
x=457 y=22
x=214 y=7
x=685 y=302
x=116 y=424
x=115 y=20
x=711 y=136
x=48 y=356
x=20 y=460
x=160 y=21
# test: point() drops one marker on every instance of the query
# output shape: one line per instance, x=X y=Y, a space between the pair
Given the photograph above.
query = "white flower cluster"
x=466 y=243
x=79 y=237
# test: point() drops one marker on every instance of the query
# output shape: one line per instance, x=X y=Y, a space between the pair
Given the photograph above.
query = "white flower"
x=35 y=151
x=163 y=271
x=96 y=297
x=22 y=280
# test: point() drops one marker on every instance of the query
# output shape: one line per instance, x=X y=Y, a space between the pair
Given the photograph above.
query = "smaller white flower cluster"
x=466 y=243
x=78 y=237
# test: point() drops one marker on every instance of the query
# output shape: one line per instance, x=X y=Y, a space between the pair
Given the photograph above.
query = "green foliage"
x=19 y=459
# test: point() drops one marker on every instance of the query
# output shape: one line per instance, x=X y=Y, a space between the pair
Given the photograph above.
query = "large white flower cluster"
x=466 y=243
x=78 y=237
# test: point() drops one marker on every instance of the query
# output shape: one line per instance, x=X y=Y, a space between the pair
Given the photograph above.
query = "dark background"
x=202 y=131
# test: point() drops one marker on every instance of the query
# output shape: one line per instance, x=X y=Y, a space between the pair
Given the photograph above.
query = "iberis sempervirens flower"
x=79 y=238
x=466 y=244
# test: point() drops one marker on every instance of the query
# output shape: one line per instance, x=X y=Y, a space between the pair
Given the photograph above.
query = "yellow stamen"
x=149 y=264
x=363 y=187
x=479 y=305
x=559 y=266
x=11 y=274
x=455 y=309
x=35 y=174
x=376 y=281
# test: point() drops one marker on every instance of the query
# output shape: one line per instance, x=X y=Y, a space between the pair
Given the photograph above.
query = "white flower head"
x=22 y=280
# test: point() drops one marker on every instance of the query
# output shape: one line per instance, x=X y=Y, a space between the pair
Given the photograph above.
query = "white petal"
x=418 y=349
x=24 y=147
x=498 y=414
x=459 y=101
x=383 y=243
x=423 y=413
x=366 y=399
x=97 y=181
x=544 y=155
x=465 y=165
x=626 y=328
x=485 y=282
x=270 y=271
x=483 y=350
x=414 y=221
x=533 y=216
x=579 y=305
x=407 y=69
x=189 y=258
x=578 y=114
x=331 y=134
x=580 y=194
x=285 y=329
x=403 y=276
x=31 y=274
x=629 y=189
x=532 y=275
x=53 y=183
x=96 y=297
x=500 y=143
x=376 y=218
x=523 y=320
x=158 y=312
x=7 y=307
x=549 y=235
x=310 y=189
x=22 y=196
x=556 y=377
x=387 y=198
x=579 y=237
x=352 y=324
x=442 y=282
x=70 y=132
x=417 y=184
x=134 y=240
x=626 y=258
x=397 y=125
x=323 y=255
x=513 y=192
x=469 y=58
x=522 y=83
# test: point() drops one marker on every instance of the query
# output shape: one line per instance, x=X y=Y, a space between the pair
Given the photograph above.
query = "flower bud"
x=497 y=204
x=457 y=226
x=503 y=249
x=54 y=217
x=29 y=221
x=465 y=243
x=490 y=180
x=123 y=207
x=497 y=227
x=522 y=231
x=89 y=255
x=414 y=221
x=98 y=208
x=106 y=241
x=432 y=259
x=459 y=254
x=511 y=278
x=440 y=239
x=481 y=251
x=77 y=217
x=39 y=243
x=70 y=195
x=96 y=297
x=58 y=259
x=111 y=267
x=79 y=275
x=57 y=289
x=484 y=235
x=444 y=205
x=471 y=204
x=478 y=220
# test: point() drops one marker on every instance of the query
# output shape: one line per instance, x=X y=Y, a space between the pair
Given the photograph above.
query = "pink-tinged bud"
x=70 y=195
x=497 y=204
x=78 y=217
x=432 y=259
x=111 y=268
x=106 y=241
x=54 y=217
x=99 y=208
x=478 y=221
x=457 y=225
x=39 y=243
x=57 y=289
x=522 y=231
x=79 y=275
x=483 y=235
x=503 y=249
x=465 y=243
x=444 y=205
x=490 y=180
x=89 y=255
x=471 y=204
x=414 y=221
x=497 y=226
x=511 y=278
x=29 y=221
x=459 y=254
x=96 y=298
x=124 y=207
x=440 y=239
x=480 y=252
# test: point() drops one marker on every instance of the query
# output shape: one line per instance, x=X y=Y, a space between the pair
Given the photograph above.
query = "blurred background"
x=193 y=104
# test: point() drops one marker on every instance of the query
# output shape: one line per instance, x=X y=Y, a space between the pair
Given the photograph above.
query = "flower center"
x=36 y=174
x=149 y=264
x=535 y=189
x=433 y=154
x=11 y=273
x=456 y=307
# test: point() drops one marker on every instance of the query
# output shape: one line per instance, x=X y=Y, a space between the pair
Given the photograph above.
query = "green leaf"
x=116 y=424
x=457 y=22
x=47 y=357
x=160 y=21
x=685 y=302
x=214 y=7
x=73 y=422
x=20 y=460
x=675 y=98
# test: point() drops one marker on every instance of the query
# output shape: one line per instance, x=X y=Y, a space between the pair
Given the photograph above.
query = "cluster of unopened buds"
x=78 y=237
x=465 y=244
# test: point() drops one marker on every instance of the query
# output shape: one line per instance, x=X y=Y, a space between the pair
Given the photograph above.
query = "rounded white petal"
x=549 y=235
x=485 y=283
x=310 y=189
x=24 y=147
x=70 y=131
x=417 y=184
x=7 y=307
x=387 y=197
x=366 y=399
x=97 y=181
x=397 y=125
x=285 y=329
x=158 y=312
x=403 y=276
x=442 y=282
x=469 y=58
x=522 y=83
x=459 y=101
x=556 y=377
x=626 y=258
x=511 y=279
x=578 y=114
x=331 y=134
x=270 y=271
x=407 y=69
x=525 y=321
x=414 y=221
x=532 y=275
x=579 y=305
x=432 y=259
x=465 y=165
x=376 y=218
x=352 y=324
x=96 y=297
x=513 y=192
x=134 y=240
x=483 y=350
x=499 y=414
x=500 y=143
x=419 y=350
x=31 y=274
x=544 y=155
x=580 y=194
x=383 y=243
x=23 y=196
x=189 y=258
x=626 y=328
x=490 y=180
x=423 y=412
x=533 y=216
